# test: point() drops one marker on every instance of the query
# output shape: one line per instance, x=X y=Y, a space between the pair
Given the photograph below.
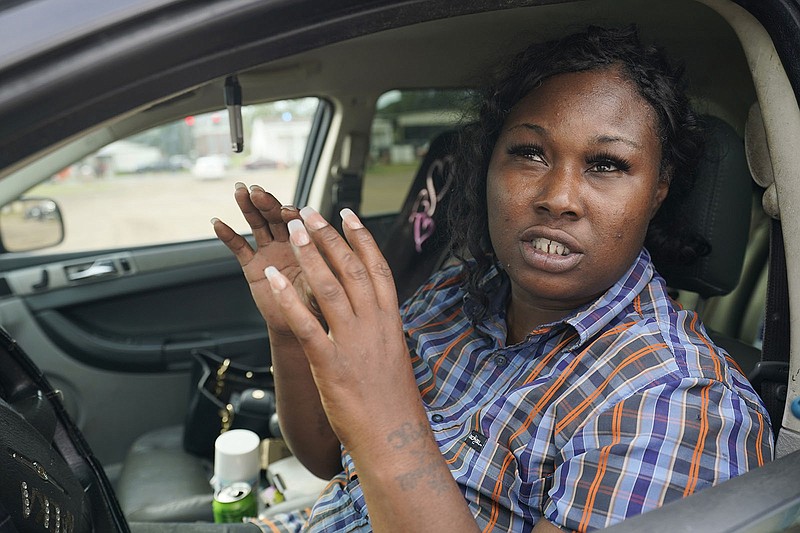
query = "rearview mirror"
x=30 y=224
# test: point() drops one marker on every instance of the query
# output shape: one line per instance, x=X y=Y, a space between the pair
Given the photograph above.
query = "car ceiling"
x=446 y=52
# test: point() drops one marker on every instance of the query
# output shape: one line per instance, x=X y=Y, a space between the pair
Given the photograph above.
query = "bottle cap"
x=236 y=458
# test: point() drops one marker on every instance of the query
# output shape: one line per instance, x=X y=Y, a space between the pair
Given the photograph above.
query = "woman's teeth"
x=550 y=247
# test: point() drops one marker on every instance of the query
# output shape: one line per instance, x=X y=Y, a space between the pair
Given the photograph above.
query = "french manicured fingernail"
x=240 y=185
x=350 y=219
x=275 y=278
x=298 y=233
x=313 y=219
x=256 y=188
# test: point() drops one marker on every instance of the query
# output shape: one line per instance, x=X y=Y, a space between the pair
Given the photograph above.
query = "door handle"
x=99 y=268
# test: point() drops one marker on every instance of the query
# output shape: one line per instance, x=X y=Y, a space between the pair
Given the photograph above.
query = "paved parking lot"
x=154 y=208
x=141 y=209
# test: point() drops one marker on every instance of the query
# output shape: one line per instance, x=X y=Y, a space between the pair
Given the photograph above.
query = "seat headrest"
x=719 y=210
x=418 y=238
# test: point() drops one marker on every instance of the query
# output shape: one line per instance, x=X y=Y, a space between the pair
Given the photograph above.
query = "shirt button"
x=437 y=418
x=501 y=360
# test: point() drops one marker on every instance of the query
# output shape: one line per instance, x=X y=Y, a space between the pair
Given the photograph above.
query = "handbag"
x=226 y=395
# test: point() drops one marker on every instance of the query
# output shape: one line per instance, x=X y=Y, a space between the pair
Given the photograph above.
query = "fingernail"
x=256 y=188
x=275 y=278
x=350 y=219
x=240 y=185
x=298 y=233
x=214 y=220
x=313 y=219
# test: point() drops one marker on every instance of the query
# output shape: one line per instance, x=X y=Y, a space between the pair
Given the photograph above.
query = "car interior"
x=367 y=108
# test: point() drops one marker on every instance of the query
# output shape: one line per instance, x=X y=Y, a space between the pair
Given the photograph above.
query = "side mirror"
x=30 y=224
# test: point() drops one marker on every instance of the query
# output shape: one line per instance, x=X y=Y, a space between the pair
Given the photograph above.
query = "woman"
x=551 y=382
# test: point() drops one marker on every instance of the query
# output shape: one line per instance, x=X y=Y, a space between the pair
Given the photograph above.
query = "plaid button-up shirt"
x=615 y=410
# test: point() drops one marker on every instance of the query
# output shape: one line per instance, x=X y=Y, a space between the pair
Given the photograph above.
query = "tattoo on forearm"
x=407 y=434
x=429 y=472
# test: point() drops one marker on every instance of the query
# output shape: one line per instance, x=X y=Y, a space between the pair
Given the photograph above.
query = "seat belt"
x=347 y=189
x=346 y=194
x=770 y=377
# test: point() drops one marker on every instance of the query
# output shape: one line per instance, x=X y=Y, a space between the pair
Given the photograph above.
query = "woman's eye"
x=608 y=165
x=604 y=166
x=534 y=153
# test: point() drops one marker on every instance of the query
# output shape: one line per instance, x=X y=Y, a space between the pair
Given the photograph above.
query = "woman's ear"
x=662 y=189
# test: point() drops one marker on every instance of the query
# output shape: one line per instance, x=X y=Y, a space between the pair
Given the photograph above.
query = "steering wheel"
x=51 y=480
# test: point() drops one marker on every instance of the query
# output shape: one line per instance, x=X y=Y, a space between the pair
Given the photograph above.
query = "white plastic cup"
x=237 y=458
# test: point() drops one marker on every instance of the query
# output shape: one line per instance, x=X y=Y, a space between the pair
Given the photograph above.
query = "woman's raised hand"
x=268 y=219
x=360 y=364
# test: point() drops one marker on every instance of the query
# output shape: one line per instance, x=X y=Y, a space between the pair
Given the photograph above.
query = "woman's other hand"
x=268 y=219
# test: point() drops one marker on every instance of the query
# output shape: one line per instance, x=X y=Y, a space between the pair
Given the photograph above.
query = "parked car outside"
x=210 y=167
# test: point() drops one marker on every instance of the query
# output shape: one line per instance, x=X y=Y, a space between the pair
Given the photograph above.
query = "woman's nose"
x=559 y=194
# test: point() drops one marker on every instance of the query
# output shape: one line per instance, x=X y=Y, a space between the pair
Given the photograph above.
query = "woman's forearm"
x=304 y=425
x=407 y=484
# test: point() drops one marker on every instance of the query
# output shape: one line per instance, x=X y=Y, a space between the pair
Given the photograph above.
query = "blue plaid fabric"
x=615 y=410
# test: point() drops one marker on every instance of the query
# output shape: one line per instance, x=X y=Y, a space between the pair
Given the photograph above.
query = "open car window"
x=405 y=123
x=164 y=184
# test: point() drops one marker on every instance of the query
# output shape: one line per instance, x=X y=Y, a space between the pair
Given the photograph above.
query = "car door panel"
x=119 y=346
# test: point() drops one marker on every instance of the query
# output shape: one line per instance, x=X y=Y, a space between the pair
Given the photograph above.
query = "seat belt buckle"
x=772 y=371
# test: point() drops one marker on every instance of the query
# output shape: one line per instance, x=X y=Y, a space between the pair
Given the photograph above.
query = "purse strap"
x=221 y=371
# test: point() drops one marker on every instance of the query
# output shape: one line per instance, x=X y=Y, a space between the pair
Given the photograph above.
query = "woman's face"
x=572 y=185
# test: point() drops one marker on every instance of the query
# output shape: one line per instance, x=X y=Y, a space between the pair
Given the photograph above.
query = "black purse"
x=227 y=395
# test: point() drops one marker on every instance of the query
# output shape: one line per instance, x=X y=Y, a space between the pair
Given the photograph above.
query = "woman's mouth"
x=550 y=247
x=550 y=256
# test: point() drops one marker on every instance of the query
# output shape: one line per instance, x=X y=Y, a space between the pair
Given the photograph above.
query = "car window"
x=405 y=123
x=163 y=185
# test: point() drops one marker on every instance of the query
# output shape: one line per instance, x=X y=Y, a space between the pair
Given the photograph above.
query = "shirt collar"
x=587 y=321
x=592 y=319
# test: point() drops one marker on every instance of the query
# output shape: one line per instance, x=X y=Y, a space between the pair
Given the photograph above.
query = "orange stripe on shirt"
x=447 y=320
x=545 y=397
x=561 y=378
x=441 y=359
x=498 y=488
x=731 y=361
x=694 y=469
x=444 y=284
x=761 y=424
x=455 y=456
x=572 y=415
x=712 y=351
x=546 y=359
x=271 y=526
x=602 y=464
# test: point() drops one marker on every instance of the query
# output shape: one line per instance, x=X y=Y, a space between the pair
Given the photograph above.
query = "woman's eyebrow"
x=528 y=126
x=612 y=139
